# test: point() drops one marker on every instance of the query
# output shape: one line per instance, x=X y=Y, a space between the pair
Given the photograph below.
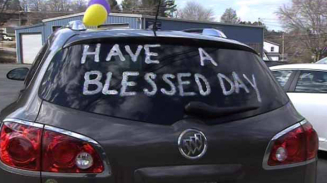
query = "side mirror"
x=18 y=74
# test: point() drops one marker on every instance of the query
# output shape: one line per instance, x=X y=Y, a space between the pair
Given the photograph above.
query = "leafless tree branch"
x=309 y=19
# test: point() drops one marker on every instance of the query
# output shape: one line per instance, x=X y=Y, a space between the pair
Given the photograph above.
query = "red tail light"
x=294 y=146
x=60 y=154
x=21 y=144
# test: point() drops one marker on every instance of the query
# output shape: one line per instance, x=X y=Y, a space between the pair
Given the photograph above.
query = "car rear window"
x=153 y=82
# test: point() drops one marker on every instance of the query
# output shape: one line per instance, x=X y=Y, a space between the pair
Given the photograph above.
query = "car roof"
x=150 y=33
x=322 y=61
x=125 y=33
x=301 y=67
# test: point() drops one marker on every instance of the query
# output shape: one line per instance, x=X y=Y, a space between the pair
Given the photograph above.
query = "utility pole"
x=283 y=45
x=20 y=19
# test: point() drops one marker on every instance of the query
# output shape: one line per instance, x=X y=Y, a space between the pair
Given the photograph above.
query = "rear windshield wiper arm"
x=204 y=110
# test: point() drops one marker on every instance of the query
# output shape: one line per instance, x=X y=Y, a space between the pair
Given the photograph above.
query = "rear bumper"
x=302 y=174
x=11 y=175
x=191 y=173
x=226 y=173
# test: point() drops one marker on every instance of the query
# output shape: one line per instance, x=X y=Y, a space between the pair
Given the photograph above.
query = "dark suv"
x=125 y=106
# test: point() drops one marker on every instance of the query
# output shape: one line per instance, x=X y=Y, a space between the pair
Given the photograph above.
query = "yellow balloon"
x=95 y=15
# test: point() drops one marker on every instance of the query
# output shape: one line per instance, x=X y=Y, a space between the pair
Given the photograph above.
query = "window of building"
x=55 y=28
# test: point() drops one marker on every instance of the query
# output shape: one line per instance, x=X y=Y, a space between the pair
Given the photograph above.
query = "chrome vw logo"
x=192 y=144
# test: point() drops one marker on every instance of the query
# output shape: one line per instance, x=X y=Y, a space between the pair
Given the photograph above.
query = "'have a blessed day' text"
x=229 y=85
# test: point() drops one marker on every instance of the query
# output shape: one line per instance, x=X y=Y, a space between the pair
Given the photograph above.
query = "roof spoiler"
x=208 y=32
x=76 y=25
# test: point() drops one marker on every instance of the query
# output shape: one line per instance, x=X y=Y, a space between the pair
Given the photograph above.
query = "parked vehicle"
x=7 y=38
x=129 y=106
x=322 y=61
x=306 y=85
x=275 y=63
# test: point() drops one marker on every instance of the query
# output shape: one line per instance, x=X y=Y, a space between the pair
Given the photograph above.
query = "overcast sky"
x=247 y=10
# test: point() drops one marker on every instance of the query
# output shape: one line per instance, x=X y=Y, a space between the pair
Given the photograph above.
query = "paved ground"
x=9 y=90
x=322 y=167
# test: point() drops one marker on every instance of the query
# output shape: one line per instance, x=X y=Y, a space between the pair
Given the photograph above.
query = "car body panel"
x=300 y=67
x=322 y=61
x=312 y=106
x=132 y=146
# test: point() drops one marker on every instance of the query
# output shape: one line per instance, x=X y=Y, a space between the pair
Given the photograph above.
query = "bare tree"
x=127 y=5
x=78 y=5
x=195 y=11
x=167 y=7
x=3 y=6
x=37 y=5
x=150 y=7
x=307 y=19
x=14 y=5
x=230 y=16
x=114 y=6
x=59 y=5
x=24 y=5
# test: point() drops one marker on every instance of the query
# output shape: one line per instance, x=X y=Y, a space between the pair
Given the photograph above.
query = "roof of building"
x=82 y=14
x=272 y=43
x=30 y=26
x=301 y=67
x=273 y=54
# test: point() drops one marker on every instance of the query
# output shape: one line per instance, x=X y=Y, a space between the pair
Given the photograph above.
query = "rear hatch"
x=169 y=110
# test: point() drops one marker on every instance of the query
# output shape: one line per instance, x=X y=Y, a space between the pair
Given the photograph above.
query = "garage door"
x=31 y=45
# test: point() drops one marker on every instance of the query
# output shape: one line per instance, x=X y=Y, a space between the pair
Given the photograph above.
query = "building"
x=9 y=31
x=272 y=50
x=1 y=34
x=30 y=39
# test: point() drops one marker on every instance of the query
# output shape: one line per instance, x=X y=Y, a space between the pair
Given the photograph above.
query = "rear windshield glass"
x=154 y=83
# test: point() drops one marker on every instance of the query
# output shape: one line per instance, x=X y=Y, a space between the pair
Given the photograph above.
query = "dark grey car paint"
x=28 y=103
x=131 y=146
x=136 y=151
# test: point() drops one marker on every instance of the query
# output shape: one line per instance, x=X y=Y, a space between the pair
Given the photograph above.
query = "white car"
x=306 y=85
x=322 y=61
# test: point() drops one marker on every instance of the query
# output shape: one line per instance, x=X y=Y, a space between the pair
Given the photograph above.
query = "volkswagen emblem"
x=192 y=144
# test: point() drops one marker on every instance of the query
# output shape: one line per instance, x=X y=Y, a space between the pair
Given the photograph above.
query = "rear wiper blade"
x=204 y=110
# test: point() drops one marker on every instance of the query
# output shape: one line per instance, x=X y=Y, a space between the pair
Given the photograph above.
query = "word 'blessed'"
x=229 y=85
